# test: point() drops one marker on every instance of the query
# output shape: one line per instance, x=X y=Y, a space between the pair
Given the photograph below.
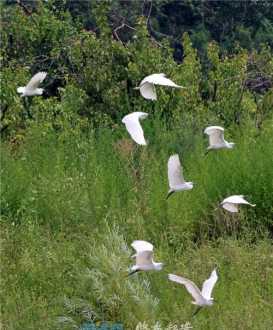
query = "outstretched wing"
x=189 y=285
x=233 y=208
x=160 y=79
x=216 y=134
x=134 y=128
x=36 y=80
x=144 y=258
x=175 y=172
x=208 y=285
x=237 y=199
x=148 y=91
x=140 y=246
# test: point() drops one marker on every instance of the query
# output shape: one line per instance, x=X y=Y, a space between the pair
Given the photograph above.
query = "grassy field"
x=71 y=204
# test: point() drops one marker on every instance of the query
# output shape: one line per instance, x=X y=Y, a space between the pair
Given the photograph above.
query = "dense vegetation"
x=75 y=190
x=247 y=23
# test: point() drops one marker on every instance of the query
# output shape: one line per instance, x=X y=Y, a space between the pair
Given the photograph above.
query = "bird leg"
x=27 y=104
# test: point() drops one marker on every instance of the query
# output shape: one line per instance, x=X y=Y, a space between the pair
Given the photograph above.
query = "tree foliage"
x=99 y=69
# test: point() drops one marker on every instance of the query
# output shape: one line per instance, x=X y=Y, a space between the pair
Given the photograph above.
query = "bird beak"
x=197 y=311
x=169 y=194
x=133 y=272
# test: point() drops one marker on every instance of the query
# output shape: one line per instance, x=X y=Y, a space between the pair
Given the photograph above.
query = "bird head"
x=159 y=265
x=211 y=301
x=143 y=115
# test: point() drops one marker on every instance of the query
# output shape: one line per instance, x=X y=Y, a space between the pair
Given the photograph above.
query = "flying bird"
x=147 y=85
x=216 y=138
x=231 y=203
x=201 y=298
x=175 y=176
x=31 y=89
x=134 y=128
x=144 y=257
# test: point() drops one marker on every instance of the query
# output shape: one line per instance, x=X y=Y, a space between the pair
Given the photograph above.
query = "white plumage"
x=231 y=203
x=208 y=285
x=140 y=246
x=147 y=85
x=201 y=298
x=144 y=257
x=134 y=128
x=31 y=89
x=216 y=138
x=175 y=176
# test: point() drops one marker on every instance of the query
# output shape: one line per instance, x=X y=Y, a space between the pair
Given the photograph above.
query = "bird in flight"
x=31 y=89
x=147 y=85
x=144 y=257
x=231 y=203
x=216 y=139
x=134 y=128
x=175 y=176
x=201 y=298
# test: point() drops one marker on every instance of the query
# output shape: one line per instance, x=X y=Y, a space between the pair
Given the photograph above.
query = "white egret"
x=201 y=298
x=175 y=176
x=216 y=138
x=231 y=203
x=31 y=89
x=147 y=85
x=144 y=257
x=134 y=128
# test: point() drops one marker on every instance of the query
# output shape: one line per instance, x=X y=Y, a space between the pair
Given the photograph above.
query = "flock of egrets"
x=144 y=250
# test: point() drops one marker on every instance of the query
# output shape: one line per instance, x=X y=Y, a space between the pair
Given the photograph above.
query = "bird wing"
x=134 y=128
x=189 y=285
x=233 y=208
x=140 y=246
x=216 y=134
x=148 y=91
x=36 y=80
x=237 y=199
x=208 y=285
x=160 y=79
x=175 y=171
x=144 y=258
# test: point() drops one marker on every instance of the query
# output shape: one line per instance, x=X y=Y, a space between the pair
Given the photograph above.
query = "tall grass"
x=71 y=203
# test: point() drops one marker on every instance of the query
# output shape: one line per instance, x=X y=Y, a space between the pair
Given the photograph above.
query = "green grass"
x=71 y=205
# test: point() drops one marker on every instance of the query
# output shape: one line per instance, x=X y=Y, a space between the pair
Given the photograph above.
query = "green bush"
x=76 y=190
